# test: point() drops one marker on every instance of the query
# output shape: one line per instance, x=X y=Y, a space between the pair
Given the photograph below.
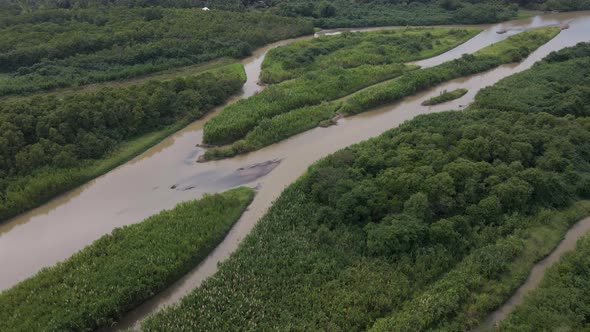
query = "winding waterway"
x=143 y=186
x=536 y=275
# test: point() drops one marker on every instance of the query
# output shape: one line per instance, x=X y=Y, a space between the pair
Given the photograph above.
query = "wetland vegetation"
x=52 y=142
x=559 y=85
x=350 y=13
x=261 y=128
x=49 y=144
x=560 y=303
x=334 y=13
x=429 y=226
x=334 y=80
x=350 y=50
x=445 y=96
x=58 y=48
x=71 y=43
x=121 y=270
x=363 y=237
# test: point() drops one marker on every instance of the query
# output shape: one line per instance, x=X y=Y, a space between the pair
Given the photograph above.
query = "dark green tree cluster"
x=560 y=85
x=418 y=229
x=564 y=5
x=341 y=13
x=121 y=270
x=348 y=13
x=57 y=48
x=54 y=133
x=338 y=13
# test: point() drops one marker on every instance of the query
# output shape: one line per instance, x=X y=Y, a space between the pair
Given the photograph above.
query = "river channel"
x=168 y=173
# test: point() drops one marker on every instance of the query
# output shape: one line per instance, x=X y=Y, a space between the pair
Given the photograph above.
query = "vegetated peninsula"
x=336 y=80
x=121 y=270
x=48 y=49
x=261 y=120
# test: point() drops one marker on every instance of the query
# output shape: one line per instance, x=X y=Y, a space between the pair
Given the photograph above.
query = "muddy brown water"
x=142 y=187
x=536 y=275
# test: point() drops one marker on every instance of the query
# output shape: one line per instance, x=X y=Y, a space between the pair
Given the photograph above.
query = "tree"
x=327 y=10
x=395 y=235
x=418 y=206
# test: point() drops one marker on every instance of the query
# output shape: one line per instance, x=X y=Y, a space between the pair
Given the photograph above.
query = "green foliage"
x=483 y=280
x=349 y=13
x=49 y=49
x=338 y=13
x=560 y=85
x=445 y=96
x=560 y=303
x=236 y=120
x=519 y=46
x=339 y=73
x=39 y=5
x=255 y=119
x=565 y=5
x=120 y=270
x=369 y=230
x=50 y=144
x=272 y=130
x=513 y=48
x=429 y=226
x=349 y=50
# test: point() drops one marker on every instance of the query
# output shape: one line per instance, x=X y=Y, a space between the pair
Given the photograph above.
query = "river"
x=143 y=186
x=536 y=275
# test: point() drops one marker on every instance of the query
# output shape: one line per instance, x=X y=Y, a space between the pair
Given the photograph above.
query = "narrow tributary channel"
x=537 y=273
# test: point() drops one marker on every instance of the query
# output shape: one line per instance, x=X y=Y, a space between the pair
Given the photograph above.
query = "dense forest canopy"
x=54 y=141
x=56 y=48
x=371 y=13
x=560 y=85
x=340 y=13
x=428 y=226
x=325 y=8
x=55 y=135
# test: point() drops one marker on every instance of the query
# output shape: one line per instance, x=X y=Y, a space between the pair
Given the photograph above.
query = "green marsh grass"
x=119 y=271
